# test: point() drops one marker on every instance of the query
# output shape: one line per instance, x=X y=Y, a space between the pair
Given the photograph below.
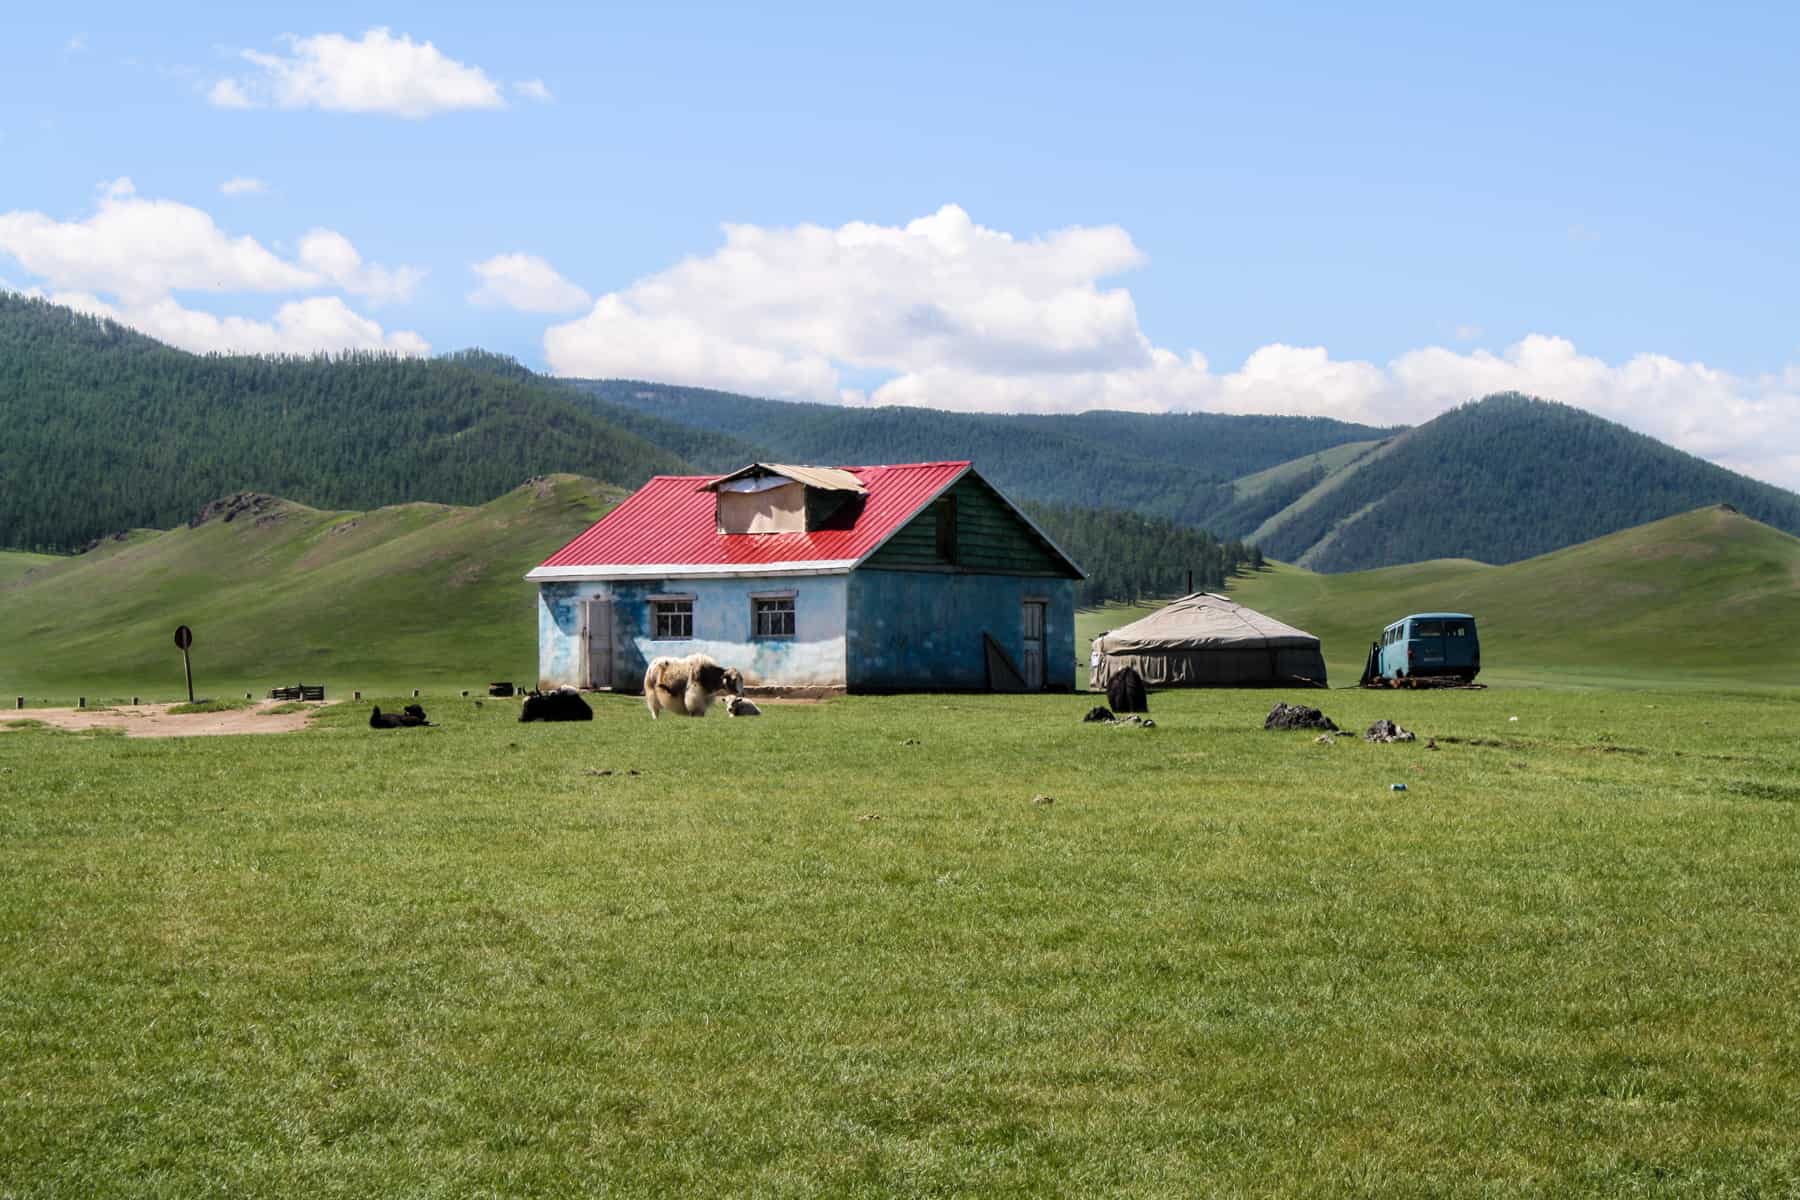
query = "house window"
x=772 y=616
x=673 y=618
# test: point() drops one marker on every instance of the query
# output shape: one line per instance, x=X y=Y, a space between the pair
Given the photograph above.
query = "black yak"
x=564 y=704
x=413 y=716
x=1125 y=692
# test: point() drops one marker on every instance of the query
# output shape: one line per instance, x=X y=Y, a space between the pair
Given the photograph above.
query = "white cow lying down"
x=687 y=685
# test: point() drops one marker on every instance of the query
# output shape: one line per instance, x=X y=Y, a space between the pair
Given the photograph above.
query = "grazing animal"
x=687 y=685
x=413 y=716
x=741 y=706
x=564 y=704
x=1125 y=692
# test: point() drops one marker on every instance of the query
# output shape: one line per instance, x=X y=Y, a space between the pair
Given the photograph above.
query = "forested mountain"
x=107 y=429
x=1504 y=479
x=1131 y=557
x=1174 y=465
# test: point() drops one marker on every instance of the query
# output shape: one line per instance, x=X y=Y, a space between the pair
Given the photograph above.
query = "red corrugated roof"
x=670 y=520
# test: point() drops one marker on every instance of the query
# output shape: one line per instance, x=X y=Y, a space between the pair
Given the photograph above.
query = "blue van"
x=1426 y=646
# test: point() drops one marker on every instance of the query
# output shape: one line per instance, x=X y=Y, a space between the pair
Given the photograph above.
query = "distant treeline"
x=1174 y=465
x=1131 y=557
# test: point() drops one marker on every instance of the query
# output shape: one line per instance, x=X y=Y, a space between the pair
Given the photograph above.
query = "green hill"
x=15 y=565
x=107 y=429
x=1500 y=480
x=1709 y=594
x=410 y=595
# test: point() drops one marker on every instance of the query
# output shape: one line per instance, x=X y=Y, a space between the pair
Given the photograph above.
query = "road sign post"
x=184 y=637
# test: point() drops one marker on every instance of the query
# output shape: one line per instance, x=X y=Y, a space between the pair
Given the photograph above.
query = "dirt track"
x=155 y=720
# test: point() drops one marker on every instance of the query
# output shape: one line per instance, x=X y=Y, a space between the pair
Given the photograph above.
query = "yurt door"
x=599 y=638
x=1034 y=645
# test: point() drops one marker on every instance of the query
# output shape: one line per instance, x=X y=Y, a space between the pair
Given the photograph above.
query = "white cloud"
x=527 y=283
x=140 y=249
x=533 y=89
x=938 y=292
x=241 y=185
x=333 y=258
x=228 y=93
x=128 y=259
x=380 y=73
x=954 y=315
x=76 y=43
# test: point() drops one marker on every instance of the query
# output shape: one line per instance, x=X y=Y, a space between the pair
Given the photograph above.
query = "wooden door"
x=599 y=643
x=1034 y=645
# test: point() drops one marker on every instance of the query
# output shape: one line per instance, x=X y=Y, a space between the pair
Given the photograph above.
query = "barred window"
x=674 y=619
x=772 y=616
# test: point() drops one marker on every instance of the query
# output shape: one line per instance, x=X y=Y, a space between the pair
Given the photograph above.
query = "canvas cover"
x=768 y=510
x=1207 y=640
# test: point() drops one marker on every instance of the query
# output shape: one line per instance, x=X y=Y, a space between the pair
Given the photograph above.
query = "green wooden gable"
x=971 y=528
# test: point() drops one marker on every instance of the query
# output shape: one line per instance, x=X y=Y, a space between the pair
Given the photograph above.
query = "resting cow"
x=741 y=706
x=687 y=685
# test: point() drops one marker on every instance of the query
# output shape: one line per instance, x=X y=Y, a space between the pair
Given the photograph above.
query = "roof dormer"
x=773 y=498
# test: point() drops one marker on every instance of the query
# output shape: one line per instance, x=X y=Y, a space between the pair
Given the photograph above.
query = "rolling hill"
x=1709 y=594
x=432 y=596
x=408 y=595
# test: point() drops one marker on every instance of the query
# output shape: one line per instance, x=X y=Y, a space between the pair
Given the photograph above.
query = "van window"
x=1456 y=629
x=1425 y=629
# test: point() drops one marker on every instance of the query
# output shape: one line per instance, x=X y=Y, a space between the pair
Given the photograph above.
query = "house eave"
x=835 y=566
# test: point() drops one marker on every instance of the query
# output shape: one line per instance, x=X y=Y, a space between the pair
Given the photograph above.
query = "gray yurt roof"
x=1204 y=621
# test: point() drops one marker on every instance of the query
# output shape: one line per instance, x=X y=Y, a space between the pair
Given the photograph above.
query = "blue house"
x=894 y=578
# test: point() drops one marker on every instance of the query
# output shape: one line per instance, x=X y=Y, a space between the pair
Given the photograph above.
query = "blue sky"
x=1372 y=214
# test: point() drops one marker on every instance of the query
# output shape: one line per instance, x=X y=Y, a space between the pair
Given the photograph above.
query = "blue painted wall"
x=922 y=629
x=814 y=657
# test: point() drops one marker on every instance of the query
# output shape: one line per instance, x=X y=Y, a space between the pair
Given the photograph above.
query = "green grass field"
x=839 y=951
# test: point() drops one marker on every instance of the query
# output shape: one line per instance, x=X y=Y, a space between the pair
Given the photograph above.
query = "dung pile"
x=1298 y=716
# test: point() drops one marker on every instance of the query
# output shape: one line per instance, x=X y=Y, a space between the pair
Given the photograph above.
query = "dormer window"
x=771 y=498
